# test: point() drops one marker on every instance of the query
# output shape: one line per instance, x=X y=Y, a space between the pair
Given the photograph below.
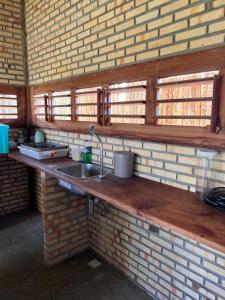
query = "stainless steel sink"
x=83 y=170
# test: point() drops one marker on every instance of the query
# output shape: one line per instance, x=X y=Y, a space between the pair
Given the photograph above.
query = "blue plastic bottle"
x=4 y=139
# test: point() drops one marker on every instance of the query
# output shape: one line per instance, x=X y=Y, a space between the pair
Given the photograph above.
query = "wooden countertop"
x=170 y=207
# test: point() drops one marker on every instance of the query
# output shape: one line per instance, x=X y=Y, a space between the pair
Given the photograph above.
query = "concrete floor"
x=24 y=276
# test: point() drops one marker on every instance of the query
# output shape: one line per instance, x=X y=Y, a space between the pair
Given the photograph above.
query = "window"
x=186 y=100
x=40 y=106
x=12 y=106
x=86 y=104
x=178 y=100
x=181 y=100
x=53 y=106
x=59 y=104
x=8 y=106
x=125 y=103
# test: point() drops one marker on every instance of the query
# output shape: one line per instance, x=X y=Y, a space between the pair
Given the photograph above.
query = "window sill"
x=186 y=136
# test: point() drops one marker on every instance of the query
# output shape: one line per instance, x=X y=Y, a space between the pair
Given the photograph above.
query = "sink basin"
x=83 y=170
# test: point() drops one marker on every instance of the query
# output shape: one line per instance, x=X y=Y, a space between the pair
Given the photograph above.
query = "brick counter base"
x=165 y=264
x=65 y=222
x=13 y=186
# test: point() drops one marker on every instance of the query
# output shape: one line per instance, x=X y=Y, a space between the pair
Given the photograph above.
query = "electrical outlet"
x=153 y=229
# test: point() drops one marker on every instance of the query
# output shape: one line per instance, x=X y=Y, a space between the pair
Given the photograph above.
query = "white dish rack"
x=45 y=154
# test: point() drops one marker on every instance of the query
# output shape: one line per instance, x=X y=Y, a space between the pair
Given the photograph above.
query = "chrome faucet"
x=92 y=133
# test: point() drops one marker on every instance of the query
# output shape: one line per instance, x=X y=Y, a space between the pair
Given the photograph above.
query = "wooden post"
x=215 y=102
x=151 y=94
x=99 y=107
x=73 y=105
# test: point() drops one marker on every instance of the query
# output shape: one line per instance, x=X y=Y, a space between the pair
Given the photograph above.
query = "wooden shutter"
x=87 y=104
x=12 y=106
x=125 y=103
x=186 y=100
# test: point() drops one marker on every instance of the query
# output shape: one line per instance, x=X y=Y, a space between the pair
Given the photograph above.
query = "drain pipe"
x=90 y=205
x=91 y=201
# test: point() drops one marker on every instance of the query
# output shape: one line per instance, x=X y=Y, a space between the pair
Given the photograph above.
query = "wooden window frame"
x=214 y=99
x=202 y=61
x=107 y=104
x=20 y=92
x=98 y=105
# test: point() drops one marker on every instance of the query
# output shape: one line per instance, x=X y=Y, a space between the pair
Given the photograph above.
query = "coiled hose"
x=216 y=197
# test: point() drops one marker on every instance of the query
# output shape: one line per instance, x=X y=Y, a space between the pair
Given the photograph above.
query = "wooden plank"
x=46 y=108
x=22 y=107
x=12 y=122
x=126 y=102
x=167 y=206
x=184 y=117
x=190 y=82
x=80 y=115
x=221 y=109
x=85 y=93
x=8 y=98
x=61 y=96
x=127 y=89
x=179 y=135
x=58 y=105
x=62 y=115
x=8 y=114
x=68 y=115
x=183 y=100
x=37 y=97
x=151 y=94
x=9 y=90
x=86 y=104
x=215 y=102
x=126 y=116
x=105 y=107
x=49 y=106
x=99 y=107
x=73 y=105
x=30 y=107
x=8 y=106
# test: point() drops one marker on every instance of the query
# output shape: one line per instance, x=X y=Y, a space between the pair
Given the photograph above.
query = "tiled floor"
x=24 y=276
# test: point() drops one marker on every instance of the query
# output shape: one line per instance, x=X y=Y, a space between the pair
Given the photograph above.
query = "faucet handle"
x=91 y=129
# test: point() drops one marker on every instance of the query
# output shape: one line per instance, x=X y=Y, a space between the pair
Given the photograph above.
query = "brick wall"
x=13 y=186
x=67 y=37
x=169 y=164
x=35 y=183
x=11 y=43
x=13 y=134
x=65 y=222
x=14 y=193
x=167 y=265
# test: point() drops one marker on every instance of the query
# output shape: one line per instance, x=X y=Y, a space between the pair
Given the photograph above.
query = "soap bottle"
x=20 y=137
x=87 y=153
x=39 y=137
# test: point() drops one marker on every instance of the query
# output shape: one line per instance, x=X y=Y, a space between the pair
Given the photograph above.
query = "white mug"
x=76 y=154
